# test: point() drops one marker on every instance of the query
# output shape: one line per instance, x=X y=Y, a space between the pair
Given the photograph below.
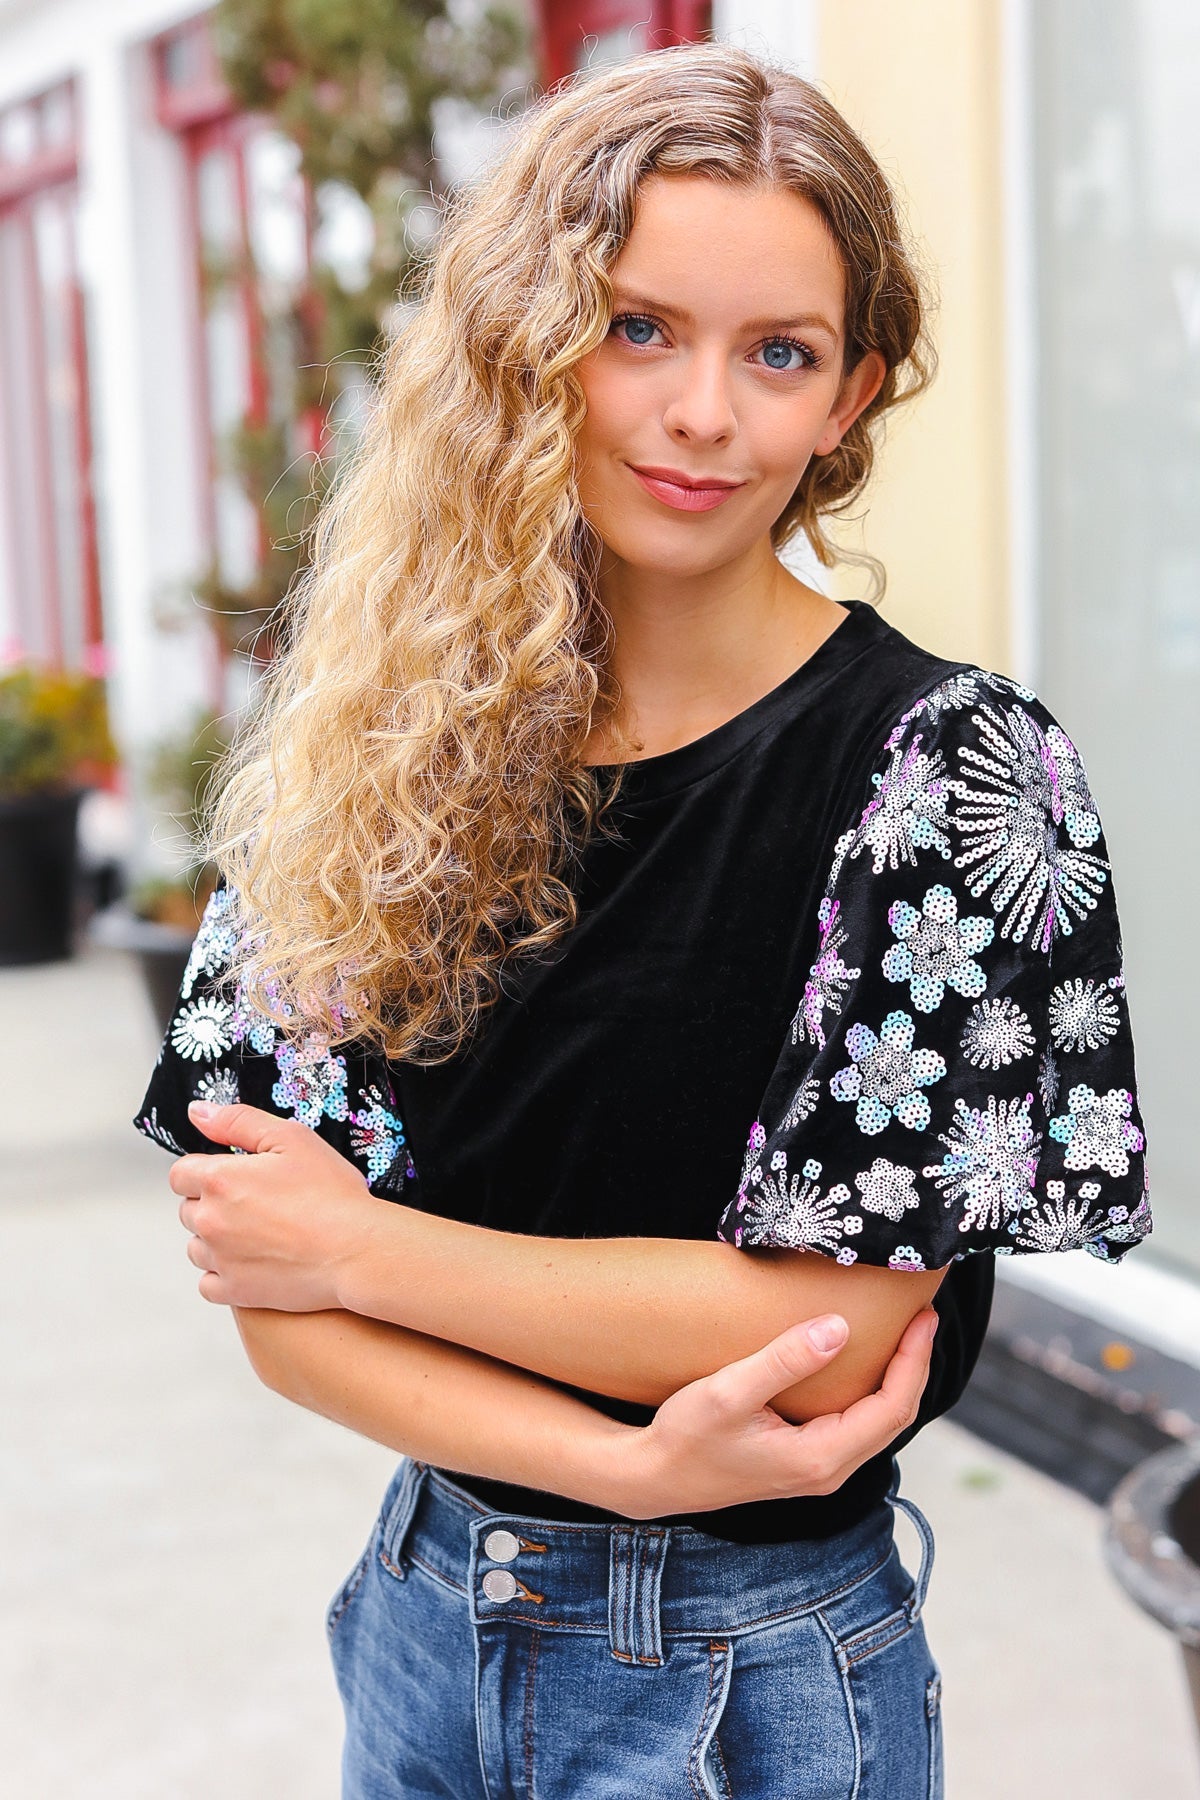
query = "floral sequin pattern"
x=960 y=1071
x=220 y=1047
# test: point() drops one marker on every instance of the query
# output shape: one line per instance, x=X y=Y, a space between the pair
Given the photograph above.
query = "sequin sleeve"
x=959 y=1074
x=217 y=1048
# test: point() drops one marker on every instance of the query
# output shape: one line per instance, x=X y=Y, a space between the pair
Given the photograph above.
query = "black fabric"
x=727 y=978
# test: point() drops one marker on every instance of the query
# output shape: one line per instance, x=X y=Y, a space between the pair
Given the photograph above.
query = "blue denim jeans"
x=489 y=1656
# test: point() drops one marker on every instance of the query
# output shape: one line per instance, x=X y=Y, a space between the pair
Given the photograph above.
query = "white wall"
x=784 y=30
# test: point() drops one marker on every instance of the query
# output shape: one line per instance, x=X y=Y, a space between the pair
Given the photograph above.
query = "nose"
x=701 y=407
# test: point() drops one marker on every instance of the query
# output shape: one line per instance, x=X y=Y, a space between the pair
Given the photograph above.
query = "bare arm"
x=292 y=1225
x=637 y=1318
x=718 y=1442
x=438 y=1402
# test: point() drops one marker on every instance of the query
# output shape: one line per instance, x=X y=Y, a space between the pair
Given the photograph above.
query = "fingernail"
x=827 y=1333
x=201 y=1109
x=932 y=1327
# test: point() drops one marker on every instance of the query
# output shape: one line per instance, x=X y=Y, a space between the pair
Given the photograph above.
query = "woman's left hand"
x=277 y=1226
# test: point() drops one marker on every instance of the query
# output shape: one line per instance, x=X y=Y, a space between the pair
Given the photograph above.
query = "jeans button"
x=501 y=1546
x=499 y=1584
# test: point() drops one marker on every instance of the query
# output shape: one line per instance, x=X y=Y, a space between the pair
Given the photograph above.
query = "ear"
x=856 y=392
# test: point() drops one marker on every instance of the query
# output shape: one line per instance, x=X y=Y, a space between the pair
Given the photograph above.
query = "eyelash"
x=812 y=358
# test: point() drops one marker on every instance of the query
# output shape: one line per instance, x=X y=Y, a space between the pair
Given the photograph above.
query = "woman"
x=572 y=837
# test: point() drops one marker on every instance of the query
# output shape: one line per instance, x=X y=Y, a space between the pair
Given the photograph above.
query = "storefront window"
x=1117 y=148
x=49 y=581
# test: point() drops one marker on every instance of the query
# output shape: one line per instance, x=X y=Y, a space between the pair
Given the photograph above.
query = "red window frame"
x=193 y=102
x=50 y=173
x=200 y=111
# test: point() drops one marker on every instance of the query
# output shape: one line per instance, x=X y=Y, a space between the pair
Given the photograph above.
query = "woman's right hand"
x=718 y=1442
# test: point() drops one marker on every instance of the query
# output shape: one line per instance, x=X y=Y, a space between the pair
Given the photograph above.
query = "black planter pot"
x=38 y=876
x=1152 y=1545
x=161 y=952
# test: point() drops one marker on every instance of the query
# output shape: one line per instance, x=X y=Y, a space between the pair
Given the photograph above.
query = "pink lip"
x=685 y=499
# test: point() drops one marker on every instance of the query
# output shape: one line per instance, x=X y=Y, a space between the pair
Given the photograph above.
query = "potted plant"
x=158 y=918
x=55 y=743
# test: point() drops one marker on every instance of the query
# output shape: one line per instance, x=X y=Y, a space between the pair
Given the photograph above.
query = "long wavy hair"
x=399 y=812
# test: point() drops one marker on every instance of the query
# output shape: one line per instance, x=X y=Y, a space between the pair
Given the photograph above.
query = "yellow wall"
x=922 y=85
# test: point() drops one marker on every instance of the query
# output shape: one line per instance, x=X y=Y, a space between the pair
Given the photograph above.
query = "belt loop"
x=636 y=1557
x=396 y=1526
x=925 y=1532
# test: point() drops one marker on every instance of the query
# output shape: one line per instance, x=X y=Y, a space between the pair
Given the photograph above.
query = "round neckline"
x=650 y=777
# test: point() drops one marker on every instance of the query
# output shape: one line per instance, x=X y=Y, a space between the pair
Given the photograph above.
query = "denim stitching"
x=716 y=1648
x=719 y=1754
x=535 y=1639
x=650 y=1594
x=692 y=1758
x=628 y=1574
x=933 y=1719
x=848 y=1696
x=404 y=1506
x=877 y=1637
x=454 y=1586
x=349 y=1591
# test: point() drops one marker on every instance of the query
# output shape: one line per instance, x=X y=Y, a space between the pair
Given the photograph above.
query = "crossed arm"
x=351 y=1305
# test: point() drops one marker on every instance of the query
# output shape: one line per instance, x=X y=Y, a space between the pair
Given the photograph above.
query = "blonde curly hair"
x=397 y=816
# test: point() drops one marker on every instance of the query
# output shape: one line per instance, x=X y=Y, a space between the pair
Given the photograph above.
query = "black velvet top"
x=850 y=982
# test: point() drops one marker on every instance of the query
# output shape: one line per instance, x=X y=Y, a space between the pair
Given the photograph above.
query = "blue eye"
x=638 y=320
x=809 y=358
x=641 y=327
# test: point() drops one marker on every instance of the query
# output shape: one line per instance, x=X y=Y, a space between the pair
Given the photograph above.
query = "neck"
x=693 y=651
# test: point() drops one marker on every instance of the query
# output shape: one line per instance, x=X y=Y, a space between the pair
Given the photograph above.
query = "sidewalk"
x=173 y=1531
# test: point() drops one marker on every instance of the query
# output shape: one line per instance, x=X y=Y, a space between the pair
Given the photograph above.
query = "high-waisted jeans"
x=489 y=1656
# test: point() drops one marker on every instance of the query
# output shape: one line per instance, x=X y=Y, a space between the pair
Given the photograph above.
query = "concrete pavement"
x=173 y=1531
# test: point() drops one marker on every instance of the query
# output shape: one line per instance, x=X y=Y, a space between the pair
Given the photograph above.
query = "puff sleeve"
x=217 y=1048
x=959 y=1074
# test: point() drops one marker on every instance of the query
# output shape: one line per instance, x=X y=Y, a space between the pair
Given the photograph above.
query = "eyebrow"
x=802 y=321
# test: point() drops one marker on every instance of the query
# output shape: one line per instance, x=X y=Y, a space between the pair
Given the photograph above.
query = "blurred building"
x=1039 y=511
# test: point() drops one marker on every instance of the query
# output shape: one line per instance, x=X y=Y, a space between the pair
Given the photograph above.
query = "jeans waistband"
x=636 y=1581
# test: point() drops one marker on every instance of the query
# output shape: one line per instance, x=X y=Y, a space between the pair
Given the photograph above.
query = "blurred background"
x=206 y=220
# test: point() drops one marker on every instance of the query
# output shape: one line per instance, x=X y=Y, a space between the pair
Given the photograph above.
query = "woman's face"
x=697 y=376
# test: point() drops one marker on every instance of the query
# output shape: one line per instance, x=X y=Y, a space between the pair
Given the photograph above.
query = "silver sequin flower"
x=202 y=1030
x=828 y=978
x=1017 y=789
x=908 y=812
x=996 y=1034
x=804 y=1103
x=312 y=1081
x=1082 y=1015
x=885 y=1074
x=1062 y=1224
x=887 y=1188
x=793 y=1213
x=218 y=1086
x=376 y=1133
x=936 y=949
x=991 y=1161
x=1097 y=1130
x=214 y=942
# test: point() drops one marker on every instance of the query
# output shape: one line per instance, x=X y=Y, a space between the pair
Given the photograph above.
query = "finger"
x=750 y=1383
x=213 y=1288
x=869 y=1425
x=187 y=1174
x=244 y=1127
x=199 y=1253
x=187 y=1213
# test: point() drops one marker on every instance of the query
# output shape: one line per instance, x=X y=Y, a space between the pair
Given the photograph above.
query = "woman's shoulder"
x=909 y=693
